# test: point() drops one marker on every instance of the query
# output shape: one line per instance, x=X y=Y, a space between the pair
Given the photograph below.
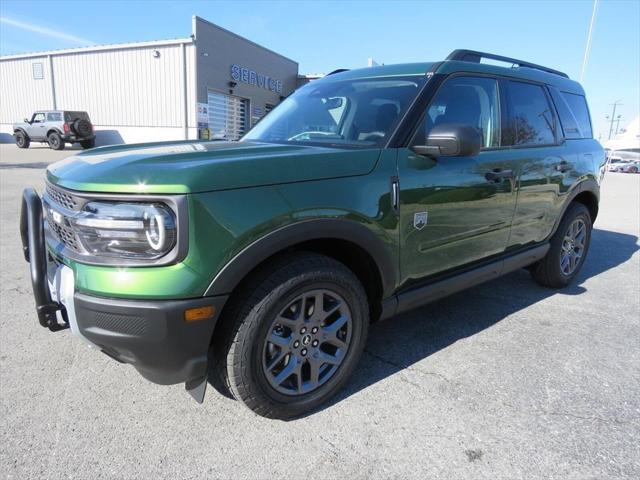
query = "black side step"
x=442 y=288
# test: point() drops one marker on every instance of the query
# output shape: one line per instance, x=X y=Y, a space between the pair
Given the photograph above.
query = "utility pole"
x=613 y=116
x=618 y=123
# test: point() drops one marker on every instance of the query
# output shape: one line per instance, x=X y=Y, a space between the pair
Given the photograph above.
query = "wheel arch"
x=21 y=130
x=349 y=242
x=53 y=130
x=587 y=193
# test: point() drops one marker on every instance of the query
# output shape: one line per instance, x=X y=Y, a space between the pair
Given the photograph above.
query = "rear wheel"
x=88 y=143
x=55 y=141
x=293 y=336
x=22 y=141
x=633 y=169
x=568 y=249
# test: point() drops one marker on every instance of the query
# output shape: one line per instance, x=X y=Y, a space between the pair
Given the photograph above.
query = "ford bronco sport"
x=55 y=127
x=260 y=264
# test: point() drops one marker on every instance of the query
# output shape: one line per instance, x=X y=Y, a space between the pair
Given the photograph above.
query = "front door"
x=36 y=130
x=456 y=210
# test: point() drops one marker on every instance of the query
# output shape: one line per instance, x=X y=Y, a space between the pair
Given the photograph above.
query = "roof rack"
x=475 y=57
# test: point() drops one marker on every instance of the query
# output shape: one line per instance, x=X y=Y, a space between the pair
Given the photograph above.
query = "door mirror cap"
x=451 y=140
x=26 y=120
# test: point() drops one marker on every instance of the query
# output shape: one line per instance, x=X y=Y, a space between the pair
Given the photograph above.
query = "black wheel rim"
x=307 y=342
x=54 y=142
x=20 y=139
x=573 y=245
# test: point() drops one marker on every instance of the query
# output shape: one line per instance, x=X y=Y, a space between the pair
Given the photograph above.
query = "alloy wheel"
x=573 y=246
x=307 y=342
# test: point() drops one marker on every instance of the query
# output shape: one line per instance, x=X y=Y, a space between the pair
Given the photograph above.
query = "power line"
x=588 y=47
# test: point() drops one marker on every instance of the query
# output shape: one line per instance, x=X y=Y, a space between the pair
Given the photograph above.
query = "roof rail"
x=339 y=70
x=475 y=57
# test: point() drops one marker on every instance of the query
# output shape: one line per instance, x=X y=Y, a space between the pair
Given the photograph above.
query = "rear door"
x=543 y=162
x=456 y=210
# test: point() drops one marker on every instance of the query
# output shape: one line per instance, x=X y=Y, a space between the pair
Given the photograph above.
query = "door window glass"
x=38 y=118
x=465 y=100
x=530 y=118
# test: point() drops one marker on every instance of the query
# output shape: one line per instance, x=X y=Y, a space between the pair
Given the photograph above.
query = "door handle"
x=563 y=166
x=497 y=175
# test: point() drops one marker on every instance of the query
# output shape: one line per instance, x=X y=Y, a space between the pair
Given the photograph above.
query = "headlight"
x=144 y=231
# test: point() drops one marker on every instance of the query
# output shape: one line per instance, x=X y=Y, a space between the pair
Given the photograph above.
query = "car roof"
x=449 y=67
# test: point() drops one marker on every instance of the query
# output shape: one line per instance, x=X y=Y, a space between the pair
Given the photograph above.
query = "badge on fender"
x=420 y=220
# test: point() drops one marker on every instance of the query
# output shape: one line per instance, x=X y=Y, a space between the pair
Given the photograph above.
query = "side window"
x=578 y=105
x=467 y=100
x=567 y=119
x=530 y=120
x=38 y=118
x=54 y=117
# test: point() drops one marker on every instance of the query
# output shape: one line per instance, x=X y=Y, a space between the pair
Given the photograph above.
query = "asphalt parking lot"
x=506 y=380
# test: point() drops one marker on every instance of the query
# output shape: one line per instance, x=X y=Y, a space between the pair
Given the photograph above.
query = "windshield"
x=356 y=112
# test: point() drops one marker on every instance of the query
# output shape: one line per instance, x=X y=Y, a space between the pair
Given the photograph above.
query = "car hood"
x=191 y=167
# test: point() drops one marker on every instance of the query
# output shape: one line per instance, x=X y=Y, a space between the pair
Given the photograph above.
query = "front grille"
x=63 y=198
x=62 y=233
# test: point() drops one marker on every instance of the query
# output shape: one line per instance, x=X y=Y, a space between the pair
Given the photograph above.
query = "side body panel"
x=467 y=216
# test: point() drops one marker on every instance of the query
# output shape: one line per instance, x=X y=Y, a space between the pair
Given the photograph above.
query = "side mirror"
x=26 y=120
x=451 y=140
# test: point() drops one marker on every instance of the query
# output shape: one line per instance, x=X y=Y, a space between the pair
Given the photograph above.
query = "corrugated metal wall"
x=20 y=94
x=124 y=87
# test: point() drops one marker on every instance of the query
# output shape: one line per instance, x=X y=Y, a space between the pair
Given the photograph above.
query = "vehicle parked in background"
x=629 y=167
x=55 y=127
x=258 y=265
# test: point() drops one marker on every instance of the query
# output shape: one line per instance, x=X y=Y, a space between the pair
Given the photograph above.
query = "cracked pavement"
x=507 y=380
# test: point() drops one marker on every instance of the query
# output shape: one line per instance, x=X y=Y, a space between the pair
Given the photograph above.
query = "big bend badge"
x=420 y=220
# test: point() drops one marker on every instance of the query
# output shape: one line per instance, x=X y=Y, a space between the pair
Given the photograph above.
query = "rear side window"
x=578 y=105
x=71 y=117
x=530 y=119
x=54 y=117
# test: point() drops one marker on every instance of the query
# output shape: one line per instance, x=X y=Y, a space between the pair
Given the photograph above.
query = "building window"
x=227 y=116
x=38 y=72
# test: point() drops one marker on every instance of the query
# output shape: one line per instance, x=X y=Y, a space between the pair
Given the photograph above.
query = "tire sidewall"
x=21 y=140
x=55 y=142
x=261 y=318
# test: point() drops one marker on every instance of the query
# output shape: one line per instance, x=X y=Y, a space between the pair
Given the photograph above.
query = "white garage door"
x=227 y=115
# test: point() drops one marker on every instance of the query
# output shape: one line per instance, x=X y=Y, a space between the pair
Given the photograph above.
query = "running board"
x=438 y=289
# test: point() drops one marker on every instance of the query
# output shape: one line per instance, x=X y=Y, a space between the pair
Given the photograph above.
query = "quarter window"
x=54 y=117
x=465 y=100
x=530 y=122
x=578 y=105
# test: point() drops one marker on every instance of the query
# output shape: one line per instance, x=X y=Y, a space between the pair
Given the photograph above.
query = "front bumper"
x=151 y=335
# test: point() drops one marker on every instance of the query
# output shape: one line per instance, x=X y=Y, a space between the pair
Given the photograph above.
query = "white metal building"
x=151 y=91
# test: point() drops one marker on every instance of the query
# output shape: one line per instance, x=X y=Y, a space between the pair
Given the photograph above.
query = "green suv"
x=259 y=265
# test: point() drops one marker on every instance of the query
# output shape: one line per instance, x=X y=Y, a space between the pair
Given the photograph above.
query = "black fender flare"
x=56 y=130
x=589 y=185
x=16 y=130
x=278 y=240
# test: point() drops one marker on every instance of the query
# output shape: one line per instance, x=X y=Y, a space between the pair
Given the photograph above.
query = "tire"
x=81 y=127
x=275 y=379
x=633 y=169
x=88 y=143
x=22 y=141
x=55 y=141
x=561 y=264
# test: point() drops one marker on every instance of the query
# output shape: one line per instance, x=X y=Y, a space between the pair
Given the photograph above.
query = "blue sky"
x=324 y=35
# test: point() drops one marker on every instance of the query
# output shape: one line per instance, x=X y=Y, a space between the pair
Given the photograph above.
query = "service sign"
x=251 y=77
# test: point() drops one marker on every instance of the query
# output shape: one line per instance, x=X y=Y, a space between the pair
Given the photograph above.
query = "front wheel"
x=22 y=141
x=568 y=249
x=55 y=141
x=293 y=336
